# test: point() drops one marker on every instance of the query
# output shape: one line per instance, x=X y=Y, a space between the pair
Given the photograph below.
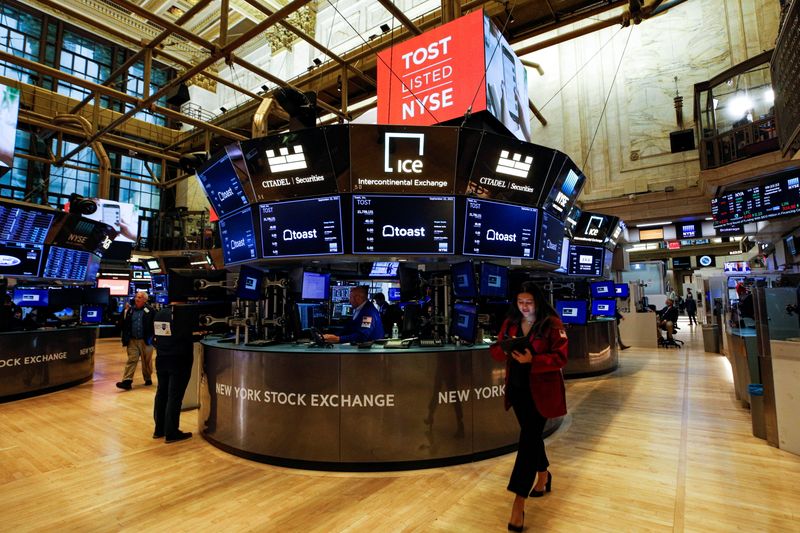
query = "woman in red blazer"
x=534 y=388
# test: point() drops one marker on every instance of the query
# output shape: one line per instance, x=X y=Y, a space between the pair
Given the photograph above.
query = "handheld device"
x=111 y=215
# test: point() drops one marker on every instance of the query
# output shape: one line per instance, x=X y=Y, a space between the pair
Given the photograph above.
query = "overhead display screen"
x=301 y=227
x=499 y=230
x=403 y=224
x=593 y=227
x=551 y=238
x=566 y=187
x=20 y=259
x=509 y=170
x=777 y=197
x=585 y=261
x=224 y=188
x=403 y=159
x=24 y=225
x=238 y=238
x=67 y=264
x=688 y=230
x=289 y=165
x=572 y=311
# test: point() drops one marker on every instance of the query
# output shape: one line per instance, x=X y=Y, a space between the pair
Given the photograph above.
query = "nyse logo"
x=561 y=201
x=514 y=164
x=285 y=161
x=408 y=166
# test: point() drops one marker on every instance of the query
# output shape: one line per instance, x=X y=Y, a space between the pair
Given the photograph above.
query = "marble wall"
x=626 y=149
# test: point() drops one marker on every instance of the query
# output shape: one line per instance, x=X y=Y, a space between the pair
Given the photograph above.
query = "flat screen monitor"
x=91 y=314
x=403 y=224
x=301 y=227
x=736 y=267
x=551 y=238
x=682 y=263
x=409 y=283
x=465 y=319
x=23 y=225
x=463 y=280
x=606 y=308
x=585 y=261
x=162 y=298
x=602 y=289
x=65 y=297
x=223 y=188
x=31 y=297
x=117 y=287
x=153 y=265
x=394 y=294
x=734 y=280
x=688 y=230
x=705 y=261
x=159 y=282
x=94 y=296
x=572 y=311
x=564 y=192
x=622 y=290
x=316 y=286
x=384 y=269
x=249 y=283
x=790 y=246
x=494 y=281
x=20 y=259
x=123 y=217
x=66 y=264
x=9 y=112
x=494 y=229
x=238 y=237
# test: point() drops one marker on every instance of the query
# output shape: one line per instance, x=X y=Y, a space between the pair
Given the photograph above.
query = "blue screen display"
x=316 y=286
x=65 y=263
x=19 y=259
x=463 y=277
x=572 y=311
x=248 y=285
x=465 y=318
x=394 y=294
x=301 y=227
x=31 y=297
x=222 y=186
x=622 y=290
x=494 y=281
x=602 y=289
x=499 y=230
x=604 y=307
x=551 y=238
x=91 y=314
x=159 y=282
x=384 y=269
x=238 y=238
x=162 y=298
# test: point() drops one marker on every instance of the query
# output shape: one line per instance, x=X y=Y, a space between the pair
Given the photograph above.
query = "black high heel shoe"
x=519 y=528
x=539 y=493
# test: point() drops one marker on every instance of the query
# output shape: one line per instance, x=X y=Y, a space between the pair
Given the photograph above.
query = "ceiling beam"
x=399 y=15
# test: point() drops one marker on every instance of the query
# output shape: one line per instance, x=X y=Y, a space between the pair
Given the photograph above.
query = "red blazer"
x=549 y=357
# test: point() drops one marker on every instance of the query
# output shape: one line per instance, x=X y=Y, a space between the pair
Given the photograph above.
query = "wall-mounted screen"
x=463 y=280
x=316 y=286
x=499 y=230
x=403 y=224
x=238 y=236
x=651 y=234
x=394 y=294
x=622 y=290
x=688 y=230
x=585 y=261
x=224 y=188
x=773 y=197
x=572 y=311
x=153 y=264
x=22 y=225
x=682 y=263
x=249 y=283
x=602 y=289
x=736 y=267
x=790 y=246
x=607 y=308
x=116 y=286
x=301 y=227
x=384 y=269
x=20 y=259
x=551 y=239
x=705 y=261
x=736 y=229
x=9 y=111
x=31 y=297
x=66 y=264
x=494 y=281
x=159 y=282
x=95 y=296
x=465 y=320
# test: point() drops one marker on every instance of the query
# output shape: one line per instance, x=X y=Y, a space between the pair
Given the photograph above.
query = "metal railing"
x=748 y=140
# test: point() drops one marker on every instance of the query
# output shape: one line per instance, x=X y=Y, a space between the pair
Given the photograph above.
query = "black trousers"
x=173 y=378
x=531 y=456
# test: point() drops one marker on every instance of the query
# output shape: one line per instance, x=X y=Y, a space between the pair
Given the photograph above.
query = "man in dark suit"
x=667 y=318
x=366 y=323
x=137 y=337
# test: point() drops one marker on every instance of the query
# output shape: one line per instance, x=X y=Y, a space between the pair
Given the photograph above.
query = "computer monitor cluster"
x=492 y=282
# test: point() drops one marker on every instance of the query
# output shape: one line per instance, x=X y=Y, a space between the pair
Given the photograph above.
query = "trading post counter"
x=592 y=348
x=345 y=408
x=39 y=360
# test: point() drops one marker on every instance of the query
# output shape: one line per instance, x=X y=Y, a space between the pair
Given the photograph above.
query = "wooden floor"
x=659 y=445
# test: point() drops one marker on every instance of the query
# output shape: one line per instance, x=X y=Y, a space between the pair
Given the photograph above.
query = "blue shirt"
x=137 y=323
x=365 y=325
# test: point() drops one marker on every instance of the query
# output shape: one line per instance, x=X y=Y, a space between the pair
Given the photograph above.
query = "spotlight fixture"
x=264 y=88
x=317 y=61
x=223 y=109
x=339 y=83
x=385 y=28
x=371 y=37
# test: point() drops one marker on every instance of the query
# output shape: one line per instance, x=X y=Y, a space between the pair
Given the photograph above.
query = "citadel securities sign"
x=433 y=77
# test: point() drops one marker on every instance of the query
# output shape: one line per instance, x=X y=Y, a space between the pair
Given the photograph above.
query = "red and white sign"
x=434 y=77
x=674 y=245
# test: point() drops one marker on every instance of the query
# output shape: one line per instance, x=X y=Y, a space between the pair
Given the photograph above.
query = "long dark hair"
x=543 y=308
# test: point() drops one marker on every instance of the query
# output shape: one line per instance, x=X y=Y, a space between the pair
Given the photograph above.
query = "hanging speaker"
x=681 y=141
x=178 y=95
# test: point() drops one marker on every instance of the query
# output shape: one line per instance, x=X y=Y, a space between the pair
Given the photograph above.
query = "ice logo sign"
x=514 y=164
x=409 y=166
x=594 y=225
x=286 y=159
x=585 y=259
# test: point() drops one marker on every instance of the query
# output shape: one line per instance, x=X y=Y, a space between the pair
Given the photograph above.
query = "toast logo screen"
x=499 y=230
x=301 y=227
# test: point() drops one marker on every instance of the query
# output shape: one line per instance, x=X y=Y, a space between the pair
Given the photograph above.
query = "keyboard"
x=398 y=343
x=431 y=343
x=264 y=342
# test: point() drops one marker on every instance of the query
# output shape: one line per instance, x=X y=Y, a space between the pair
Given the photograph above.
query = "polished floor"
x=659 y=445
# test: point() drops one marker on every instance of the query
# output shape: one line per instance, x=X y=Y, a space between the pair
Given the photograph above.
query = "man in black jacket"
x=137 y=336
x=173 y=339
x=667 y=318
